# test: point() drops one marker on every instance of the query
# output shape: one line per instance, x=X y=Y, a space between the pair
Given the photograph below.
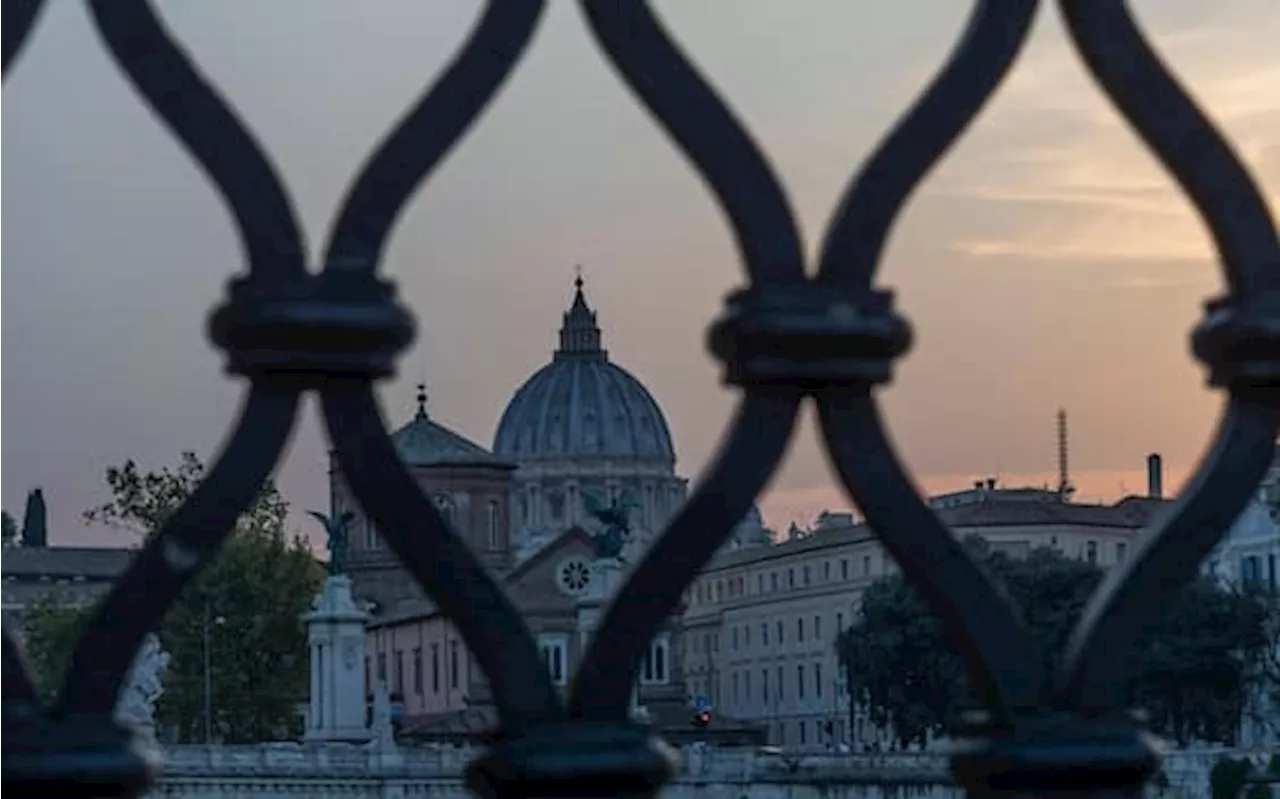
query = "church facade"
x=581 y=435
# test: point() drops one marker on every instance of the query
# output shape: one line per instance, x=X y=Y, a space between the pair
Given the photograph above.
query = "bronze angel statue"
x=615 y=529
x=336 y=539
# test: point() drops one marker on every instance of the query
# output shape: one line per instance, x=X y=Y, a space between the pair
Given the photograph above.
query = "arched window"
x=445 y=505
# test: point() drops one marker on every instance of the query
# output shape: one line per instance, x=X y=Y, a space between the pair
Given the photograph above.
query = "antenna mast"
x=1065 y=489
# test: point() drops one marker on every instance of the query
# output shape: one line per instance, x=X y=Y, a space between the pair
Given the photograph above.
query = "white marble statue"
x=144 y=684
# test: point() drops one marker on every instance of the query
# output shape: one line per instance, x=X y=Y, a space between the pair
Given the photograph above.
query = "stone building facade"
x=581 y=432
x=761 y=622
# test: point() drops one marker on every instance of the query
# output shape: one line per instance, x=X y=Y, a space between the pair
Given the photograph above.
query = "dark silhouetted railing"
x=784 y=337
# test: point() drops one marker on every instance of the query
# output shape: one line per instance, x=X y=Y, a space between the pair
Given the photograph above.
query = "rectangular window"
x=764 y=685
x=495 y=539
x=780 y=691
x=1121 y=550
x=839 y=623
x=1091 y=551
x=803 y=727
x=760 y=583
x=746 y=637
x=382 y=667
x=817 y=628
x=746 y=686
x=735 y=688
x=417 y=671
x=654 y=670
x=555 y=653
x=773 y=580
x=866 y=565
x=800 y=630
x=764 y=635
x=367 y=681
x=733 y=640
x=400 y=672
x=791 y=578
x=817 y=680
x=781 y=637
x=844 y=568
x=806 y=574
x=799 y=681
x=453 y=664
x=1251 y=570
x=435 y=668
x=826 y=570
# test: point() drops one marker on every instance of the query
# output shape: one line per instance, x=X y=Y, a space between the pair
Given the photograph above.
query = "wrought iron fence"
x=786 y=337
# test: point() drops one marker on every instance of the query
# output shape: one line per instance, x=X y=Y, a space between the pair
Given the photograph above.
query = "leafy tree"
x=51 y=626
x=9 y=530
x=246 y=605
x=1192 y=666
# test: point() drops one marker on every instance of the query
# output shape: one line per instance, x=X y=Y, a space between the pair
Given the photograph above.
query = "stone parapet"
x=353 y=771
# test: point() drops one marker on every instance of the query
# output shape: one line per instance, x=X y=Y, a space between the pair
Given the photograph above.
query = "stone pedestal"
x=335 y=635
x=607 y=576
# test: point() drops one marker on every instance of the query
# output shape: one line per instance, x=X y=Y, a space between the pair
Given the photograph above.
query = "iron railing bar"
x=751 y=450
x=430 y=130
x=1150 y=98
x=1096 y=668
x=438 y=559
x=709 y=135
x=174 y=554
x=993 y=38
x=19 y=20
x=18 y=687
x=166 y=78
x=978 y=617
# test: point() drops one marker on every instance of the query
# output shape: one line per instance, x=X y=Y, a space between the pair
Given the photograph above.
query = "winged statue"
x=336 y=538
x=615 y=527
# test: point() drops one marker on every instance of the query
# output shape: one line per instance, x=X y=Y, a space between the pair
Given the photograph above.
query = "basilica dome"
x=582 y=406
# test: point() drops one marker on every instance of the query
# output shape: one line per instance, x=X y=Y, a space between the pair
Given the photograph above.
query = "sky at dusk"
x=1048 y=261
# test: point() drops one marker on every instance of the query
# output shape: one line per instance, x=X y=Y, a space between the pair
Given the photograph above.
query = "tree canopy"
x=10 y=535
x=1190 y=672
x=246 y=605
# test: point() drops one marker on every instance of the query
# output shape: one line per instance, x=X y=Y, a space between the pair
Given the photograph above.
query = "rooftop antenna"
x=1065 y=489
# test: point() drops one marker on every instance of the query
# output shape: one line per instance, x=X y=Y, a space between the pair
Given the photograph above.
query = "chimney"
x=1155 y=488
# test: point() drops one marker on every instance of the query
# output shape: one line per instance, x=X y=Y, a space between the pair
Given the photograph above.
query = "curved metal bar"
x=716 y=144
x=440 y=561
x=16 y=682
x=982 y=623
x=753 y=446
x=197 y=116
x=19 y=18
x=429 y=131
x=1187 y=143
x=993 y=37
x=183 y=546
x=1097 y=663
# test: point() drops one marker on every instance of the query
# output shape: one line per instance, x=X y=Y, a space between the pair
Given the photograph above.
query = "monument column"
x=336 y=640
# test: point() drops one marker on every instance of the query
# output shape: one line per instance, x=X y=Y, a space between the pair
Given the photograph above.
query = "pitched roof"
x=1132 y=513
x=90 y=563
x=422 y=442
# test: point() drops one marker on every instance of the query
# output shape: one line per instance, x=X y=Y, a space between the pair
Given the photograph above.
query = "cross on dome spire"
x=422 y=400
x=579 y=334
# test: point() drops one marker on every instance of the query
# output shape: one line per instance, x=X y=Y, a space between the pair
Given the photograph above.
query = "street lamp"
x=209 y=621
